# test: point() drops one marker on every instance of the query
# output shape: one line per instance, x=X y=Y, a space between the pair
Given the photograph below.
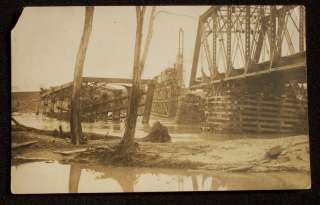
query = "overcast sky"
x=45 y=42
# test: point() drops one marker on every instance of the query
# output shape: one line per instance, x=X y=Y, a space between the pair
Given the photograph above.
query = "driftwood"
x=70 y=152
x=24 y=144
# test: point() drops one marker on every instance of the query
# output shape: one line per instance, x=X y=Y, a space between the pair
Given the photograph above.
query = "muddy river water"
x=44 y=177
x=178 y=132
x=54 y=177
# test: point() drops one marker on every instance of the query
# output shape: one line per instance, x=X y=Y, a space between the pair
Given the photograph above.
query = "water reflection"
x=41 y=177
x=129 y=179
x=74 y=178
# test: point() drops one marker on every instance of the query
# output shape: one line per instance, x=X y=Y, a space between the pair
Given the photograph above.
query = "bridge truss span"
x=245 y=40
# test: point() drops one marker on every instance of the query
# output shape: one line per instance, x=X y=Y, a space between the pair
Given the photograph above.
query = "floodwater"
x=44 y=177
x=178 y=132
x=183 y=132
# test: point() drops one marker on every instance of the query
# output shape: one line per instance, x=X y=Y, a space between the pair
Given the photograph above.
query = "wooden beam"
x=148 y=104
x=52 y=90
x=116 y=113
x=92 y=79
x=114 y=80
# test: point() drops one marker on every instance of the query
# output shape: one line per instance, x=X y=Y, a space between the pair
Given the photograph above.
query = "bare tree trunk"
x=75 y=122
x=148 y=39
x=131 y=118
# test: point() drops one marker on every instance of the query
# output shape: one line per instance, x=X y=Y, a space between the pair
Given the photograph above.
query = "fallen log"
x=24 y=144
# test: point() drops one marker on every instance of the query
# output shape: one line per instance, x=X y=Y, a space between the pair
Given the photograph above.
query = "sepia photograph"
x=109 y=99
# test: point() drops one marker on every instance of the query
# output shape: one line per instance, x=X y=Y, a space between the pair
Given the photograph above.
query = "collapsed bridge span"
x=100 y=99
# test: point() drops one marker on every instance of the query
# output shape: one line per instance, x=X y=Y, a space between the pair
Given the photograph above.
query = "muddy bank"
x=241 y=155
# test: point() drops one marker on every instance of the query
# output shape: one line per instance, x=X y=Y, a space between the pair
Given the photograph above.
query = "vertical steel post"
x=272 y=39
x=214 y=44
x=279 y=38
x=262 y=33
x=229 y=27
x=247 y=39
x=301 y=28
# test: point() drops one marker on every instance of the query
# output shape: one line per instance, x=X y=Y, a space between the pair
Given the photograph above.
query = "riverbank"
x=286 y=154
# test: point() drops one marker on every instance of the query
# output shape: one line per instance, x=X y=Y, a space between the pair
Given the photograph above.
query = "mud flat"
x=287 y=154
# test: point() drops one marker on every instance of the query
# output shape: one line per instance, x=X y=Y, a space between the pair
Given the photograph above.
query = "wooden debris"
x=22 y=158
x=24 y=144
x=240 y=169
x=158 y=133
x=70 y=152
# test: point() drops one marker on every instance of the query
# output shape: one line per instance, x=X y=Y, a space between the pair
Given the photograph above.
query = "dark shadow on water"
x=74 y=178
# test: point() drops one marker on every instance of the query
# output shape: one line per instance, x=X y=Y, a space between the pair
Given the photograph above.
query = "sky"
x=46 y=39
x=45 y=42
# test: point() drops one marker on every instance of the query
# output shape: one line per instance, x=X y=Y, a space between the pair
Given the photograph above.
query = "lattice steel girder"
x=243 y=32
x=229 y=28
x=301 y=28
x=272 y=31
x=214 y=44
x=247 y=38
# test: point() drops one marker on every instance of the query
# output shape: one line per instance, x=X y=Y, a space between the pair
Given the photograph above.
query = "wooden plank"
x=114 y=80
x=55 y=89
x=148 y=102
x=70 y=152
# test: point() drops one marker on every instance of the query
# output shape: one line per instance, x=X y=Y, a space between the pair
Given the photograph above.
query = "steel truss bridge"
x=248 y=41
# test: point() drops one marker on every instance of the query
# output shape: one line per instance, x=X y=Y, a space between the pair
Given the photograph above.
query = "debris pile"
x=158 y=133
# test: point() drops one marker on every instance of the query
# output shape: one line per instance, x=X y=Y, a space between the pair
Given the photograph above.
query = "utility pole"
x=75 y=122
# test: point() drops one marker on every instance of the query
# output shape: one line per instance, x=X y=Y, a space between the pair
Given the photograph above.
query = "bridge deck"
x=285 y=68
x=95 y=80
